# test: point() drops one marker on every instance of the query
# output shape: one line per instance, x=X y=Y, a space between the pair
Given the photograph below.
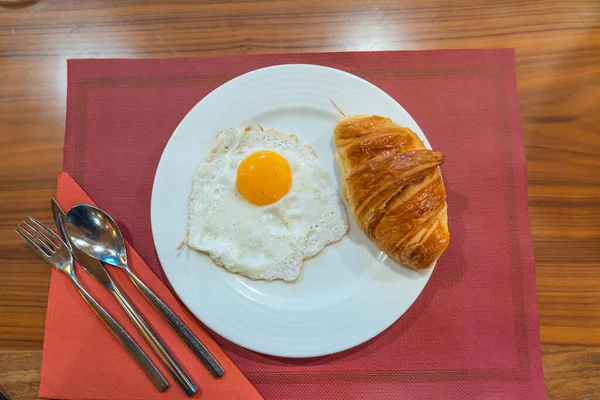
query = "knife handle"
x=188 y=337
x=158 y=380
x=157 y=345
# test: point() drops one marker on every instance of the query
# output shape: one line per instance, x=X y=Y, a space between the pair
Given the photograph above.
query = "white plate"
x=348 y=293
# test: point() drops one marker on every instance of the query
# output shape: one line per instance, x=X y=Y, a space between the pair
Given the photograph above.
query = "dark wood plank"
x=572 y=372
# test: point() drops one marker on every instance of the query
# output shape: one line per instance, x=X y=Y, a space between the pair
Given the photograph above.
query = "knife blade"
x=91 y=265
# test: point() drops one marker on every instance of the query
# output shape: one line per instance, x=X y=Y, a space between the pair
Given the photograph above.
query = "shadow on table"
x=17 y=3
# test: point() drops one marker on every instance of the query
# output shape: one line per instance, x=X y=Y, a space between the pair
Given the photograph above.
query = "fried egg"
x=261 y=203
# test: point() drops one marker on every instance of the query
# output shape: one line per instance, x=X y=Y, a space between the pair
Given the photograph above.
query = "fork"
x=55 y=252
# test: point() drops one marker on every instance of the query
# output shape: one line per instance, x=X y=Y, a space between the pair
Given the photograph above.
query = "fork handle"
x=157 y=345
x=158 y=380
x=199 y=349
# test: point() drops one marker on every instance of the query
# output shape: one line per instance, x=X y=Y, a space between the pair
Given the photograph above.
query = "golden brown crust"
x=394 y=187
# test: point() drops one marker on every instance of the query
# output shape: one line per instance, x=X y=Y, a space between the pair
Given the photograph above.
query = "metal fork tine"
x=33 y=236
x=49 y=231
x=30 y=242
x=33 y=232
x=53 y=245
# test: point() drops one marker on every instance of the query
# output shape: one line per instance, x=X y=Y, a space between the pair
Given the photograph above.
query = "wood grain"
x=20 y=373
x=558 y=67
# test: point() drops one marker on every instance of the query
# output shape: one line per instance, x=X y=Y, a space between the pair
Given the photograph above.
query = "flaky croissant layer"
x=394 y=188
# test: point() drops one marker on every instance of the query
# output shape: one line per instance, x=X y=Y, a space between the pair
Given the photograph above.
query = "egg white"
x=263 y=242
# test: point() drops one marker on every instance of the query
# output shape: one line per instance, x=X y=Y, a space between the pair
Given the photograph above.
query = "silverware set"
x=91 y=237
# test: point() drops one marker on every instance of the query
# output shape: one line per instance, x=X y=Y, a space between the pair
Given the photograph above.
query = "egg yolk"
x=264 y=177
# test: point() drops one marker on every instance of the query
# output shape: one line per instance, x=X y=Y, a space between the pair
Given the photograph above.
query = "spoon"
x=98 y=271
x=78 y=237
x=95 y=233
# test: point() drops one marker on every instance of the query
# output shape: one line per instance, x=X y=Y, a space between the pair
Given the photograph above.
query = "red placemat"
x=473 y=333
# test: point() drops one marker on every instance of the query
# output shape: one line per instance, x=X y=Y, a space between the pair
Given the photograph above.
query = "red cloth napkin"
x=82 y=360
x=473 y=332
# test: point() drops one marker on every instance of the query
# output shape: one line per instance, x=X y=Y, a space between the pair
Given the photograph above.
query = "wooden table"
x=558 y=66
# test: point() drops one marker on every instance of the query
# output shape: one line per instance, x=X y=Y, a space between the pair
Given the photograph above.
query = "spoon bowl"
x=97 y=234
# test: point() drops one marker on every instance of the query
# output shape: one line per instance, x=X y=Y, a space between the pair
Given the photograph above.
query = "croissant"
x=394 y=188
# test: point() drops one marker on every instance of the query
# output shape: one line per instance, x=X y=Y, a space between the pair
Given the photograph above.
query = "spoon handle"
x=123 y=337
x=188 y=337
x=157 y=345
